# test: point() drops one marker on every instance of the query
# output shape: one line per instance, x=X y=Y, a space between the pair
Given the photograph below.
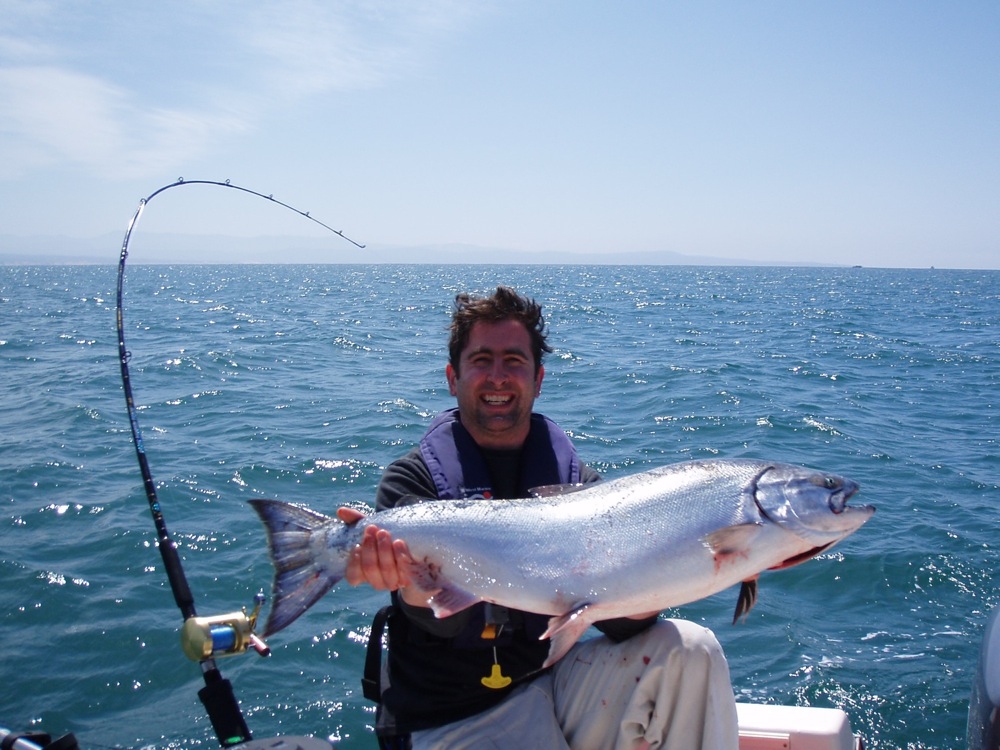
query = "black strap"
x=371 y=681
x=371 y=685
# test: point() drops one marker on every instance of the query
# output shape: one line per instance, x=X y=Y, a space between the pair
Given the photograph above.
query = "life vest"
x=460 y=471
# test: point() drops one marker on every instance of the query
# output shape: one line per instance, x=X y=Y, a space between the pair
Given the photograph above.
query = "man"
x=474 y=679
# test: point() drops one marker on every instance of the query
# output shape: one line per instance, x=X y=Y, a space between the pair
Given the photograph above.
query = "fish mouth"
x=838 y=501
x=843 y=490
x=801 y=557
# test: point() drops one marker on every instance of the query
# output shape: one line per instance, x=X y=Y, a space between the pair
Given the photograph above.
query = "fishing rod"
x=202 y=638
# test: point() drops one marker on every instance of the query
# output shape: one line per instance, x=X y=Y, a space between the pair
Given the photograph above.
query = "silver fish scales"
x=641 y=543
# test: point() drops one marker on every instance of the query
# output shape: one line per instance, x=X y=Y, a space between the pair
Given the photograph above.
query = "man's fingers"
x=370 y=564
x=356 y=572
x=374 y=561
x=401 y=553
x=378 y=560
x=387 y=564
x=349 y=515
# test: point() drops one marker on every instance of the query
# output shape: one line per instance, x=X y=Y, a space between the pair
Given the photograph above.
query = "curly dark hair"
x=504 y=304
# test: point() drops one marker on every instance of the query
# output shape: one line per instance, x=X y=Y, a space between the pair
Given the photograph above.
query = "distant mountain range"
x=154 y=248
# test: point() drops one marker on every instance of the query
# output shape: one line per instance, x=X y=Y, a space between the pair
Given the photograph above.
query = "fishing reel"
x=223 y=635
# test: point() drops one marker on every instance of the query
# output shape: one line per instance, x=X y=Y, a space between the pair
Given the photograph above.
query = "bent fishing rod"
x=202 y=638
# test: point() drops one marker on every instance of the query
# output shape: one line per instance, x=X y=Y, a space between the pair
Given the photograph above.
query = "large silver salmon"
x=641 y=543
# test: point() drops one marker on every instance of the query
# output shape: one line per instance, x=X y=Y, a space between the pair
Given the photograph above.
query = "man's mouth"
x=497 y=400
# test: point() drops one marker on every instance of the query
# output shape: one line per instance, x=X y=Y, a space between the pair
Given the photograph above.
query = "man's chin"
x=499 y=432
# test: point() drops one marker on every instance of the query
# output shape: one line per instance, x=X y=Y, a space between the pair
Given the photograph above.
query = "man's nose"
x=498 y=373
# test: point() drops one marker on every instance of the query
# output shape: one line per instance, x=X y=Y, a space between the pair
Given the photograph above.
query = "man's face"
x=496 y=384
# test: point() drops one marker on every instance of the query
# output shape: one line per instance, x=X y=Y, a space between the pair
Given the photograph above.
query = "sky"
x=851 y=132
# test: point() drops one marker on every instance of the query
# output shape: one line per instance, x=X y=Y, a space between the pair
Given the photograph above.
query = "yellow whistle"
x=496 y=680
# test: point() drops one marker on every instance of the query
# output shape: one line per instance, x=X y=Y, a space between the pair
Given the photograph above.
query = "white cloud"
x=312 y=47
x=57 y=107
x=24 y=50
x=51 y=115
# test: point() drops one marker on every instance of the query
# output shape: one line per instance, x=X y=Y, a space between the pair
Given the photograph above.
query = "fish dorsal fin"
x=732 y=540
x=554 y=490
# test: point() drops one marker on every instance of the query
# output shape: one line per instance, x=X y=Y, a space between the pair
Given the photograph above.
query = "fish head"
x=809 y=504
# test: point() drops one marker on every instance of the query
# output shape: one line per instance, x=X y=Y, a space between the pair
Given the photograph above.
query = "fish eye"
x=825 y=481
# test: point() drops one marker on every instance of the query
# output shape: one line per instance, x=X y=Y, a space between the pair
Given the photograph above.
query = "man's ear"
x=452 y=376
x=538 y=379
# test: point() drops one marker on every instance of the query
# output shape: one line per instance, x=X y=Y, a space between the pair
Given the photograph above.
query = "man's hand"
x=378 y=560
x=382 y=562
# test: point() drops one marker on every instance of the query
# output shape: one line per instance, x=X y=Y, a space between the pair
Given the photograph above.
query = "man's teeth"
x=496 y=399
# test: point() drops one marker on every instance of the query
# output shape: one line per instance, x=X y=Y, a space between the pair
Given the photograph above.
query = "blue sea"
x=303 y=382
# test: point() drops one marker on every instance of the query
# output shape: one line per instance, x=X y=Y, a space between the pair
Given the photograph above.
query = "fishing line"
x=202 y=638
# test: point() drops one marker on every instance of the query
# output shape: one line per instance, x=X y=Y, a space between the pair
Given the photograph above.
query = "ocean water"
x=302 y=382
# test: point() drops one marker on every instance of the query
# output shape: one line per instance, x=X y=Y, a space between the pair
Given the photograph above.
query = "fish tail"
x=301 y=576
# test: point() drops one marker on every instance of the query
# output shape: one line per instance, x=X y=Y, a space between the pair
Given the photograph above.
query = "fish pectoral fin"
x=448 y=601
x=564 y=631
x=445 y=599
x=732 y=540
x=746 y=599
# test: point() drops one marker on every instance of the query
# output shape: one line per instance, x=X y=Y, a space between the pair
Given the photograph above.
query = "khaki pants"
x=668 y=686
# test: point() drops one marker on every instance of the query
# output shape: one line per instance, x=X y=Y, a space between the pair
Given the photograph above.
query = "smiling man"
x=475 y=679
x=495 y=379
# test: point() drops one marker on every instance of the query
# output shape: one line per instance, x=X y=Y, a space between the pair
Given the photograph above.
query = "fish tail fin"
x=301 y=576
